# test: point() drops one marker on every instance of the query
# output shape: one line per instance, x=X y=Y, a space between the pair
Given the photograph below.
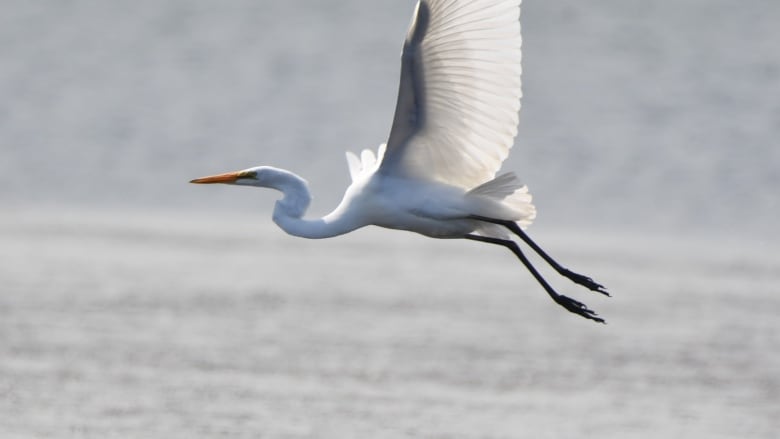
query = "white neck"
x=289 y=211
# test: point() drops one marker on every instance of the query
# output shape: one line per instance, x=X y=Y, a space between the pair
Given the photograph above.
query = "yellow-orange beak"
x=229 y=177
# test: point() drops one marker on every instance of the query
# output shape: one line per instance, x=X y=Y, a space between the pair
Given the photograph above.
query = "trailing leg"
x=566 y=302
x=577 y=278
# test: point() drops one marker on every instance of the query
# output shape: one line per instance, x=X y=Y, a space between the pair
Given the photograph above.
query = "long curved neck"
x=289 y=211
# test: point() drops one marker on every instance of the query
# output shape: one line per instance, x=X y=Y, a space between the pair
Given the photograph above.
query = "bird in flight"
x=455 y=121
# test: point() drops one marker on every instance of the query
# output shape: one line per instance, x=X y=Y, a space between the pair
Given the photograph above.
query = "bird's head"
x=296 y=191
x=257 y=176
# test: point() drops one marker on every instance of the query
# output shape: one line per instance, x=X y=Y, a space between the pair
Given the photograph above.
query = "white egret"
x=455 y=121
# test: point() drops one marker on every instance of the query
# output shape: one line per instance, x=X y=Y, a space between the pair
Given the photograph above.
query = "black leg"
x=577 y=278
x=567 y=302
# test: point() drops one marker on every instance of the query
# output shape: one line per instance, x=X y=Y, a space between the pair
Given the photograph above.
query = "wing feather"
x=460 y=89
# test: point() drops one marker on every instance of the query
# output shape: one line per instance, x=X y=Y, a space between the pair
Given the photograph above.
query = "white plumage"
x=458 y=103
x=455 y=121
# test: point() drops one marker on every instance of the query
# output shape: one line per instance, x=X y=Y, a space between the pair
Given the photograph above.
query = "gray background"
x=136 y=305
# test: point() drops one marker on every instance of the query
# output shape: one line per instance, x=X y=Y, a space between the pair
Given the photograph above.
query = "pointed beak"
x=229 y=177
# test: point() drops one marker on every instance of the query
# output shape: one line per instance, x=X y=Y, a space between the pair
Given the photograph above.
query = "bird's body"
x=455 y=121
x=430 y=208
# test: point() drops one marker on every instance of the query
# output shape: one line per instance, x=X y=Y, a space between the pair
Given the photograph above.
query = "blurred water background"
x=135 y=305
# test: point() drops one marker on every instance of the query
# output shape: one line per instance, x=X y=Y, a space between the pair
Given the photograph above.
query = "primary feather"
x=460 y=89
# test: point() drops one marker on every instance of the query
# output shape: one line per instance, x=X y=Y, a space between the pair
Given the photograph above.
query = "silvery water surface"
x=135 y=305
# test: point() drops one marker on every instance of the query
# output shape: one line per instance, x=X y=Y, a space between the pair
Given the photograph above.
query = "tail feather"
x=512 y=194
x=500 y=187
x=520 y=202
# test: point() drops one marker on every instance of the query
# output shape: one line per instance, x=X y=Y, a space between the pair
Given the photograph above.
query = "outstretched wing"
x=457 y=111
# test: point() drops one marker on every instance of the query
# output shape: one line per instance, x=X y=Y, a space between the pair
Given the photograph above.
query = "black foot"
x=578 y=308
x=585 y=281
